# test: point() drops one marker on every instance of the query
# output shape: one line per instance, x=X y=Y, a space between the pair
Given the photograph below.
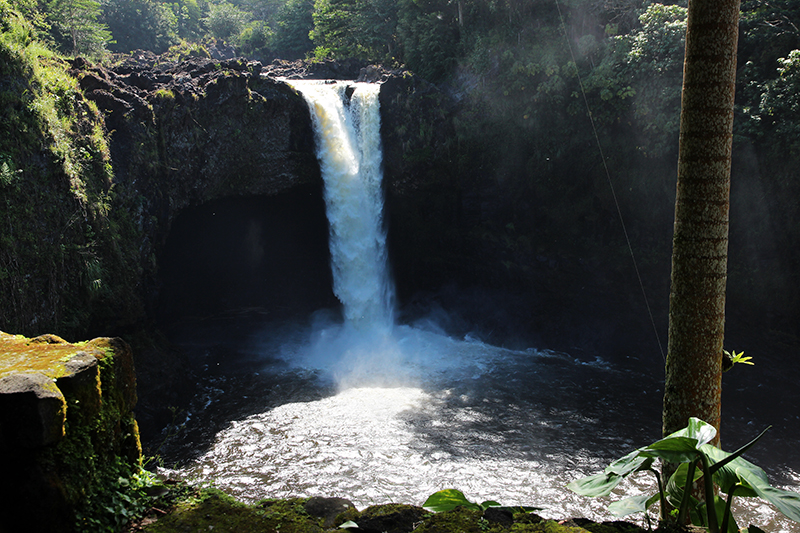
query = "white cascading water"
x=350 y=156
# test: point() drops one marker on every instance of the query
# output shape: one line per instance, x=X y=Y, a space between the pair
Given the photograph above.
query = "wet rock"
x=390 y=518
x=32 y=411
x=327 y=508
x=504 y=517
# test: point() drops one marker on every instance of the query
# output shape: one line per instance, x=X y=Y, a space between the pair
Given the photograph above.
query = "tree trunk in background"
x=700 y=242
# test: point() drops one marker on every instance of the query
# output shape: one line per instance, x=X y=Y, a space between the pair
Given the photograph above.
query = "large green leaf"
x=683 y=446
x=698 y=430
x=633 y=462
x=603 y=483
x=754 y=482
x=674 y=449
x=597 y=485
x=727 y=477
x=448 y=499
x=719 y=505
x=724 y=458
x=634 y=504
x=676 y=483
x=787 y=502
x=489 y=503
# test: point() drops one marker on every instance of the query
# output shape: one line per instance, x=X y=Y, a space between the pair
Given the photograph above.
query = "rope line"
x=610 y=182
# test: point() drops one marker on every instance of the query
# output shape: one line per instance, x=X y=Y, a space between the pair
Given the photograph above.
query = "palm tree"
x=700 y=242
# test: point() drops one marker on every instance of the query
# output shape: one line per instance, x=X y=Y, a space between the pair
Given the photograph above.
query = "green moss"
x=95 y=467
x=211 y=509
x=290 y=515
x=22 y=355
x=164 y=94
x=459 y=519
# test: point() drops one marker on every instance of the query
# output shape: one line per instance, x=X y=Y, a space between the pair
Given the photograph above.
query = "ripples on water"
x=394 y=416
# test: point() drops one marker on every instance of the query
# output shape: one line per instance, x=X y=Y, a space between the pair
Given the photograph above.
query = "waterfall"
x=347 y=132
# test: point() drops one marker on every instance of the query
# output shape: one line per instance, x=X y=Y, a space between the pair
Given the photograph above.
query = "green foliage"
x=120 y=495
x=255 y=40
x=780 y=102
x=142 y=24
x=768 y=31
x=449 y=499
x=76 y=27
x=428 y=37
x=186 y=49
x=293 y=23
x=690 y=449
x=639 y=79
x=225 y=21
x=355 y=28
x=187 y=16
x=739 y=358
x=60 y=253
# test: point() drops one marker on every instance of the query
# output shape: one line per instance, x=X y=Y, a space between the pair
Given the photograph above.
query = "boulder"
x=65 y=416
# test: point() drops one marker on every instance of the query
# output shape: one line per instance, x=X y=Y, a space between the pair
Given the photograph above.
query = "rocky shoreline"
x=211 y=510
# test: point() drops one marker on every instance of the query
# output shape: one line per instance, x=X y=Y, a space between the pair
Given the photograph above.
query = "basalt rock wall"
x=185 y=134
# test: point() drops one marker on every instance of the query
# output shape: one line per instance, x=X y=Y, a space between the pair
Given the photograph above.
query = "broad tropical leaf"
x=633 y=462
x=603 y=483
x=787 y=502
x=489 y=503
x=674 y=449
x=448 y=499
x=597 y=485
x=698 y=430
x=635 y=504
x=674 y=489
x=727 y=477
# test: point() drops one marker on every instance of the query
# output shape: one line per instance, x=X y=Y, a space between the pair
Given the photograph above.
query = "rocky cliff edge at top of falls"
x=190 y=131
x=184 y=133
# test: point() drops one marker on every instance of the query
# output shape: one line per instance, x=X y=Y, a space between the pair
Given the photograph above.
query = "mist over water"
x=297 y=409
x=352 y=404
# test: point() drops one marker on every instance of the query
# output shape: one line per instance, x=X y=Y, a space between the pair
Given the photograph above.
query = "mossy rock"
x=66 y=426
x=208 y=509
x=212 y=510
x=390 y=518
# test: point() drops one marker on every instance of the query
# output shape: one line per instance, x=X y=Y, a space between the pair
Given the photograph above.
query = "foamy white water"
x=511 y=426
x=347 y=131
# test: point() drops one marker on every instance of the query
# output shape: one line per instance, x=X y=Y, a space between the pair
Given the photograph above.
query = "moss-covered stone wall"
x=67 y=429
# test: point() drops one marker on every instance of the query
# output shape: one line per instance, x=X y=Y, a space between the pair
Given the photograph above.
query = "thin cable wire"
x=610 y=183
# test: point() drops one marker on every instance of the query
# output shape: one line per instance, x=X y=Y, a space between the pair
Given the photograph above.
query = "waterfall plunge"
x=346 y=119
x=350 y=156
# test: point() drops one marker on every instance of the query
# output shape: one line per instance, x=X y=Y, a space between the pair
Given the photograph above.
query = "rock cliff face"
x=218 y=193
x=186 y=134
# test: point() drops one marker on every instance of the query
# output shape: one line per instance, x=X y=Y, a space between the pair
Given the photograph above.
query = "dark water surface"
x=305 y=408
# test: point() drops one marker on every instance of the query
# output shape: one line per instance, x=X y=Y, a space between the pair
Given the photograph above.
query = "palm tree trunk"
x=700 y=242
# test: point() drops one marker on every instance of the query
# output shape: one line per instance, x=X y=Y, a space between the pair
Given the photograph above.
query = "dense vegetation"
x=525 y=75
x=55 y=172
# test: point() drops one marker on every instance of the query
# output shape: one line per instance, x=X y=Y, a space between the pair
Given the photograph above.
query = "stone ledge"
x=33 y=374
x=65 y=414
